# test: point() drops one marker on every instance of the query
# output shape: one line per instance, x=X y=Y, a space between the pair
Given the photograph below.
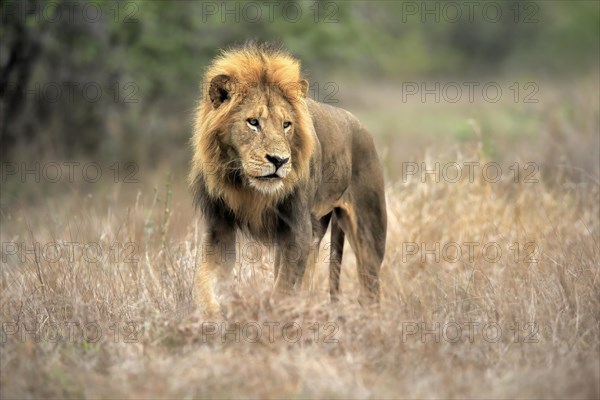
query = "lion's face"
x=260 y=135
x=253 y=130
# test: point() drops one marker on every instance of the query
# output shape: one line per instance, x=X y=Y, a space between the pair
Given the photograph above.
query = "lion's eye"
x=287 y=124
x=253 y=122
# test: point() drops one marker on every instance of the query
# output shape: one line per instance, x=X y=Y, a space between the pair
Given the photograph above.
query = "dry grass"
x=152 y=344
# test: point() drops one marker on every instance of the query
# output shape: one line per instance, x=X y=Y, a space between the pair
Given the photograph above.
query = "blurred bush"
x=119 y=79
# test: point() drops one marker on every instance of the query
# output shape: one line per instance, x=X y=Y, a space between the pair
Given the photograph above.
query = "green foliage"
x=148 y=56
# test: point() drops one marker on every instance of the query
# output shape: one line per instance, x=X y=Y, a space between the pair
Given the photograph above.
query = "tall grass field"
x=490 y=283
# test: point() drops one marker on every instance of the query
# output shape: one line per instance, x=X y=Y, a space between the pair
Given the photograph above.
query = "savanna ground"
x=490 y=289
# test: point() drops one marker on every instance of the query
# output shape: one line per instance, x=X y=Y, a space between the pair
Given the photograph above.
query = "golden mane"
x=251 y=66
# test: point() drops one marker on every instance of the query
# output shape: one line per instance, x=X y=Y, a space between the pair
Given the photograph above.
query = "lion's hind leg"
x=336 y=251
x=366 y=232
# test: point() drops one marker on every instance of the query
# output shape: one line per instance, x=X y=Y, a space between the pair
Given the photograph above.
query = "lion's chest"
x=269 y=223
x=262 y=227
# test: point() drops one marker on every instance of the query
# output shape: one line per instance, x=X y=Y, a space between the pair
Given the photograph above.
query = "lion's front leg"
x=216 y=263
x=294 y=250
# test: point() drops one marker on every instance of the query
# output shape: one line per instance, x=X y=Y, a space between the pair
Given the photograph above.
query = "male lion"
x=280 y=167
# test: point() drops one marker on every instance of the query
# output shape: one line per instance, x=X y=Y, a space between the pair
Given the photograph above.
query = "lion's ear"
x=220 y=90
x=303 y=85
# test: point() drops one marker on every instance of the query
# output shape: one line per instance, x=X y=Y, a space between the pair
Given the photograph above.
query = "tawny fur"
x=254 y=106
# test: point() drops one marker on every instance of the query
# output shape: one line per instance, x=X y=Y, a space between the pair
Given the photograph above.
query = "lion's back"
x=347 y=151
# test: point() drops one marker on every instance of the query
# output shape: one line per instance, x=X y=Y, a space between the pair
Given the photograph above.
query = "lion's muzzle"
x=277 y=161
x=273 y=168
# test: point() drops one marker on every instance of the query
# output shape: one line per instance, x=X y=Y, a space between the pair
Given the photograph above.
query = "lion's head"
x=253 y=137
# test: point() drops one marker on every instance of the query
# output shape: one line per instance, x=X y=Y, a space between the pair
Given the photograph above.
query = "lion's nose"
x=276 y=160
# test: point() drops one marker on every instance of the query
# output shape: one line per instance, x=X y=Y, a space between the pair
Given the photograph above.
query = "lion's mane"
x=251 y=66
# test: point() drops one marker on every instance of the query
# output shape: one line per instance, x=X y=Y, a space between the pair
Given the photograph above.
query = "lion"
x=280 y=167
